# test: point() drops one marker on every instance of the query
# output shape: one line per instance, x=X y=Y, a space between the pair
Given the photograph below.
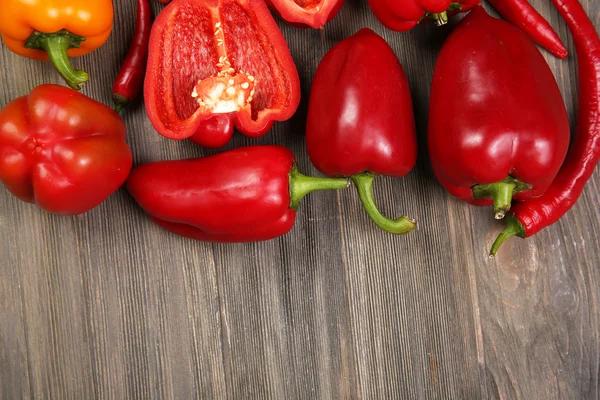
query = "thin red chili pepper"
x=530 y=217
x=131 y=75
x=523 y=15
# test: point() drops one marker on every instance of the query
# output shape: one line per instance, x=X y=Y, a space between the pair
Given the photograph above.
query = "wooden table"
x=108 y=305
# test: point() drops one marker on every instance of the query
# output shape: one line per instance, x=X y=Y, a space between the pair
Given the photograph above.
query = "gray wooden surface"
x=108 y=305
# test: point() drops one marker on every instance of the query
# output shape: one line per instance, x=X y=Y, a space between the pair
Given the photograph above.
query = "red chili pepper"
x=530 y=217
x=222 y=59
x=523 y=15
x=311 y=13
x=62 y=150
x=131 y=75
x=406 y=14
x=360 y=119
x=243 y=195
x=497 y=125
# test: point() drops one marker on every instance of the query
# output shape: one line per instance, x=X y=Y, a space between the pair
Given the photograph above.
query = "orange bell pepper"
x=56 y=30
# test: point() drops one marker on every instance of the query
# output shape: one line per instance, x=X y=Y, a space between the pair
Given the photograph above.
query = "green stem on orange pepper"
x=56 y=45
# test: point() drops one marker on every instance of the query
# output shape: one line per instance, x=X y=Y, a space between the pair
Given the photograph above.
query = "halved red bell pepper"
x=360 y=119
x=246 y=194
x=62 y=150
x=498 y=127
x=216 y=64
x=311 y=13
x=406 y=14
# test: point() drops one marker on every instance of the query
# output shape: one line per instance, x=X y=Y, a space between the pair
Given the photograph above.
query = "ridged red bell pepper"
x=498 y=127
x=62 y=150
x=216 y=64
x=406 y=14
x=243 y=195
x=303 y=13
x=360 y=119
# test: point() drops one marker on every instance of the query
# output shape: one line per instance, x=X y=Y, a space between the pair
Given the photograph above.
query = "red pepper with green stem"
x=530 y=217
x=131 y=75
x=360 y=119
x=405 y=15
x=498 y=127
x=247 y=194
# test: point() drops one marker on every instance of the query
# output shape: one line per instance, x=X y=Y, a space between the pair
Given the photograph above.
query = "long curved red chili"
x=131 y=75
x=530 y=217
x=524 y=16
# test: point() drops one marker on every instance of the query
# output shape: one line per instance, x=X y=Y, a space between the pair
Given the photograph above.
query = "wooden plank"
x=109 y=305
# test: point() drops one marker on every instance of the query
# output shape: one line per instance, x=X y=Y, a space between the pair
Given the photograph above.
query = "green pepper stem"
x=440 y=18
x=56 y=45
x=301 y=185
x=501 y=193
x=364 y=185
x=120 y=102
x=513 y=228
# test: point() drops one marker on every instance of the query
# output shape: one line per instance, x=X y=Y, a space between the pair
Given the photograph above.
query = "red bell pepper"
x=498 y=127
x=311 y=13
x=213 y=65
x=360 y=119
x=406 y=14
x=243 y=195
x=62 y=150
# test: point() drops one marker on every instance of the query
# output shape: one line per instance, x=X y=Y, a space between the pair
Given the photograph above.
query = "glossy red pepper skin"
x=406 y=14
x=195 y=41
x=62 y=150
x=360 y=118
x=523 y=15
x=130 y=78
x=307 y=13
x=495 y=111
x=243 y=195
x=360 y=115
x=530 y=217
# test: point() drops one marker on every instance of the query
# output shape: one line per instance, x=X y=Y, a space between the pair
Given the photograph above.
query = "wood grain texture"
x=108 y=305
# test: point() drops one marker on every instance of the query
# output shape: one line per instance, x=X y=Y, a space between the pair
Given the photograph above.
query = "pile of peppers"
x=208 y=68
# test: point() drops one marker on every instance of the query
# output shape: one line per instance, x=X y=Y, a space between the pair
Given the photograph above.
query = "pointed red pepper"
x=216 y=64
x=523 y=15
x=243 y=195
x=498 y=127
x=130 y=79
x=360 y=119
